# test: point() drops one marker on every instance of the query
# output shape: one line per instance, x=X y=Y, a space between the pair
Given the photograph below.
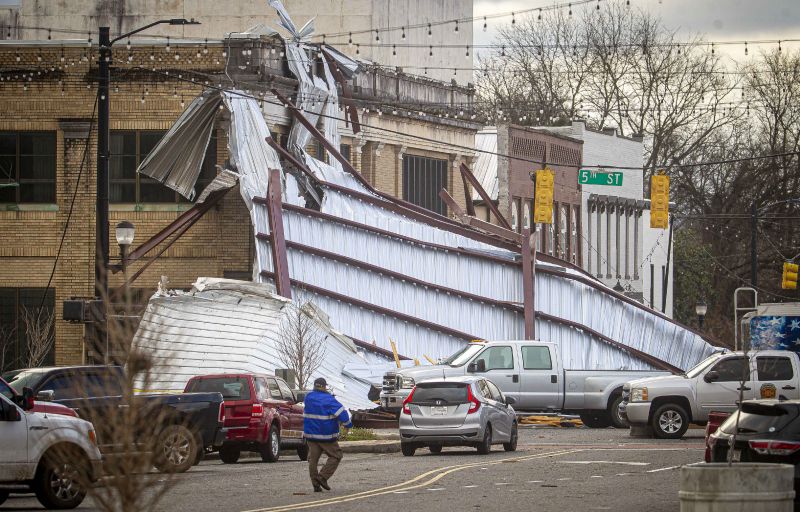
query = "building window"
x=19 y=323
x=423 y=178
x=344 y=149
x=27 y=167
x=128 y=150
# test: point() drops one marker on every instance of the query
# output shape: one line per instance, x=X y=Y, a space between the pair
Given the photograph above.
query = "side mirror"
x=27 y=399
x=510 y=400
x=46 y=395
x=711 y=376
x=478 y=366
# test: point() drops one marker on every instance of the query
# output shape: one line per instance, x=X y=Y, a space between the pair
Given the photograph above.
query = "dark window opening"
x=19 y=320
x=128 y=150
x=423 y=179
x=344 y=149
x=27 y=167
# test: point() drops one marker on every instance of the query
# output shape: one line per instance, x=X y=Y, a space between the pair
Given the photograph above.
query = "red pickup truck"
x=261 y=414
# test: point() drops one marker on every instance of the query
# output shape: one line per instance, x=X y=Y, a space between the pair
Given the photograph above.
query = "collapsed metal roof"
x=387 y=270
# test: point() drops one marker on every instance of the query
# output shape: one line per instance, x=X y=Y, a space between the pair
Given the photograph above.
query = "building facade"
x=48 y=149
x=347 y=24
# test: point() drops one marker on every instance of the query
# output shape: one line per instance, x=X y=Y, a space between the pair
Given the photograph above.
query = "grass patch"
x=359 y=434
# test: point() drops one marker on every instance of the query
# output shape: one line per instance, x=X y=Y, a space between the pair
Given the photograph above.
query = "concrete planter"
x=741 y=487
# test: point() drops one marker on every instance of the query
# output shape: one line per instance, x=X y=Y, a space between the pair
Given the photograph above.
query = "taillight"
x=258 y=411
x=774 y=447
x=474 y=403
x=222 y=412
x=407 y=401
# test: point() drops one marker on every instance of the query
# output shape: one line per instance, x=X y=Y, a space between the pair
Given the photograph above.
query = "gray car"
x=459 y=411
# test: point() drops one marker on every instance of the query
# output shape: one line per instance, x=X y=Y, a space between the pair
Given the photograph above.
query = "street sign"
x=611 y=179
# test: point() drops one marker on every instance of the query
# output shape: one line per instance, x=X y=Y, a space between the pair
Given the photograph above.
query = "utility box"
x=74 y=310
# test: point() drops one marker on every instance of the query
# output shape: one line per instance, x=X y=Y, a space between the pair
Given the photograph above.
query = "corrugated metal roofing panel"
x=485 y=166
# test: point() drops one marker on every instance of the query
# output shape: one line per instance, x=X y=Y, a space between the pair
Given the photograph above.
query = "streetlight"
x=125 y=232
x=103 y=135
x=701 y=308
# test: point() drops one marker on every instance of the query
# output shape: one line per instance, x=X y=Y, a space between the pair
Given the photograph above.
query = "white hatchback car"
x=53 y=455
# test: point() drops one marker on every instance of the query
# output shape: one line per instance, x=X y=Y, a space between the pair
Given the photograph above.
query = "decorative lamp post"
x=701 y=308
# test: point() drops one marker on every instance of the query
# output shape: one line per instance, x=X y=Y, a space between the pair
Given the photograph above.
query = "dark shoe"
x=317 y=488
x=324 y=484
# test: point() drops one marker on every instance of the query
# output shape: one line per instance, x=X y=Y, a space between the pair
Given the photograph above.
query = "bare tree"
x=39 y=333
x=301 y=342
x=8 y=336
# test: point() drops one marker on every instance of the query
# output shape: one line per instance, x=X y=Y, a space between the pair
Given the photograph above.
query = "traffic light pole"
x=101 y=213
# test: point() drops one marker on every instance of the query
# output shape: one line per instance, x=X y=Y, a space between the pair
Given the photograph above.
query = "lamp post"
x=701 y=308
x=103 y=136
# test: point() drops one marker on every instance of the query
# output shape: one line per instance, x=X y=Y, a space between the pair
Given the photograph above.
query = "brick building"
x=48 y=161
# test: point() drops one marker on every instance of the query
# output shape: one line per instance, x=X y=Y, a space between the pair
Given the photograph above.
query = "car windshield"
x=444 y=392
x=26 y=379
x=231 y=388
x=760 y=419
x=705 y=363
x=463 y=355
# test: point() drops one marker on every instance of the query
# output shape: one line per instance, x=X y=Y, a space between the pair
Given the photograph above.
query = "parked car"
x=184 y=424
x=460 y=411
x=53 y=455
x=531 y=372
x=768 y=431
x=262 y=414
x=715 y=419
x=45 y=407
x=669 y=404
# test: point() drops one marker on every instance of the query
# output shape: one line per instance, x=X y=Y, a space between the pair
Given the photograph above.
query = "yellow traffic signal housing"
x=543 y=197
x=789 y=281
x=659 y=201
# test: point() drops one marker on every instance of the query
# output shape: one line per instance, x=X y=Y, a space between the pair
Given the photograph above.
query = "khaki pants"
x=315 y=451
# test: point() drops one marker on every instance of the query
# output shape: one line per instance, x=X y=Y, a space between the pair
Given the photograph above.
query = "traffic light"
x=659 y=201
x=543 y=197
x=789 y=281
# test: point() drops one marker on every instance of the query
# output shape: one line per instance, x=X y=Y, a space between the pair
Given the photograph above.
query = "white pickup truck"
x=53 y=455
x=532 y=373
x=669 y=404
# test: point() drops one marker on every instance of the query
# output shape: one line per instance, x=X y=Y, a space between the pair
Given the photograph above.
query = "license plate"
x=438 y=411
x=736 y=456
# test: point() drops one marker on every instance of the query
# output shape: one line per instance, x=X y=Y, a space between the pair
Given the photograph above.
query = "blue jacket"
x=321 y=417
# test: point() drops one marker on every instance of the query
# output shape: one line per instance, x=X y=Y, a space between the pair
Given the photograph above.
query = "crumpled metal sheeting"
x=223 y=181
x=312 y=95
x=448 y=269
x=347 y=207
x=247 y=147
x=225 y=331
x=334 y=175
x=177 y=158
x=470 y=316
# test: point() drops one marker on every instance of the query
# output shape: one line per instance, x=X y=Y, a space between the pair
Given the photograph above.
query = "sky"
x=715 y=20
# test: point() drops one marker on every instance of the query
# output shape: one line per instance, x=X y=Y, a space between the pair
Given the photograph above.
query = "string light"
x=539 y=18
x=467 y=50
x=377 y=36
x=484 y=24
x=456 y=27
x=429 y=30
x=350 y=39
x=513 y=19
x=394 y=51
x=168 y=49
x=403 y=34
x=430 y=52
x=358 y=49
x=570 y=9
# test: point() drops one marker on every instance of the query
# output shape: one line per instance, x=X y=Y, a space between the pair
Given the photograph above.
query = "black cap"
x=320 y=383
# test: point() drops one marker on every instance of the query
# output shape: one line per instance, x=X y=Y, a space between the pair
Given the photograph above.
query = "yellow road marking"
x=437 y=473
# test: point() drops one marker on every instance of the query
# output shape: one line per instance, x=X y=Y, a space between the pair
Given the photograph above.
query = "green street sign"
x=588 y=177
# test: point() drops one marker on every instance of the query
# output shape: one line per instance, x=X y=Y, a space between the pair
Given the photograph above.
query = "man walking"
x=321 y=419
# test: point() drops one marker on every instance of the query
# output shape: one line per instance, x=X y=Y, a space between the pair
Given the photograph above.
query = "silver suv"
x=460 y=411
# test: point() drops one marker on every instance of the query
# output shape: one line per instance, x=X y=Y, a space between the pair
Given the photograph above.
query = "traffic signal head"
x=543 y=197
x=659 y=201
x=789 y=281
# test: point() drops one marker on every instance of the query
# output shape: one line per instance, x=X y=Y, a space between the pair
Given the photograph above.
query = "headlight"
x=639 y=395
x=406 y=382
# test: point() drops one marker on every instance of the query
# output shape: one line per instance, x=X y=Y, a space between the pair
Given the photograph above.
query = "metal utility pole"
x=665 y=283
x=753 y=249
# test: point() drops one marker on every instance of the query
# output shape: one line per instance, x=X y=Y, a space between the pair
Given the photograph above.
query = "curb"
x=370 y=446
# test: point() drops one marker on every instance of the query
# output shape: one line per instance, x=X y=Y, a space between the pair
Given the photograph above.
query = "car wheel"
x=486 y=444
x=176 y=449
x=670 y=421
x=511 y=445
x=58 y=480
x=598 y=419
x=617 y=421
x=229 y=453
x=408 y=449
x=3 y=496
x=271 y=450
x=435 y=448
x=302 y=451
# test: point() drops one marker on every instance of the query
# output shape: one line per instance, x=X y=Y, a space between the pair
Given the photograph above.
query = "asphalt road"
x=553 y=469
